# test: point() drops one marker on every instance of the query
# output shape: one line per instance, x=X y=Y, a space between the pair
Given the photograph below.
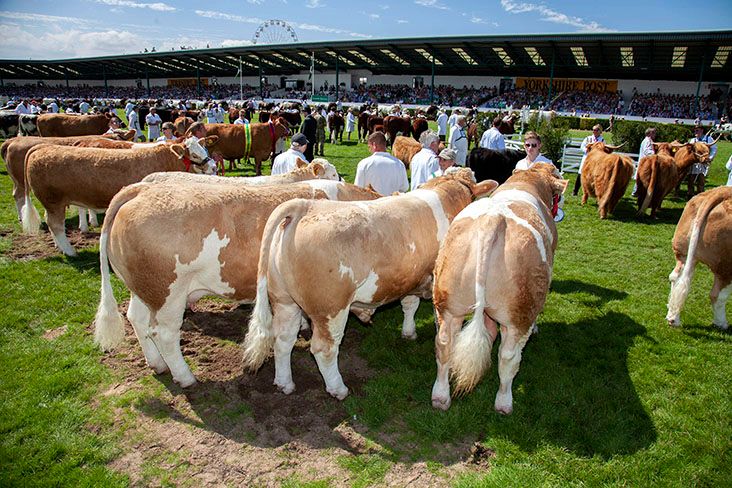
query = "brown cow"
x=659 y=174
x=171 y=244
x=419 y=125
x=472 y=134
x=373 y=121
x=404 y=149
x=394 y=126
x=322 y=258
x=495 y=262
x=232 y=140
x=181 y=125
x=14 y=150
x=605 y=176
x=90 y=177
x=704 y=233
x=336 y=124
x=65 y=125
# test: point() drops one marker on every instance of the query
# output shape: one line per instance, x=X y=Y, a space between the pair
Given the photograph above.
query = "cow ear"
x=300 y=163
x=484 y=188
x=318 y=169
x=210 y=140
x=179 y=150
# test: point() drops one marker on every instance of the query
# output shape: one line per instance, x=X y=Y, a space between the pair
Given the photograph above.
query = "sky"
x=53 y=29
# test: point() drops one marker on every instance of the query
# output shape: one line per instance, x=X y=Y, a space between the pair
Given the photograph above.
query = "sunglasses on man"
x=531 y=144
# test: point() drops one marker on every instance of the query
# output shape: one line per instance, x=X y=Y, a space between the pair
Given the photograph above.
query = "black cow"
x=28 y=125
x=488 y=164
x=8 y=124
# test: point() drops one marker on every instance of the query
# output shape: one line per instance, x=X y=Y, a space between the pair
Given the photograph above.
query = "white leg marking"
x=62 y=242
x=328 y=361
x=83 y=224
x=410 y=304
x=720 y=305
x=508 y=365
x=166 y=336
x=93 y=218
x=285 y=323
x=139 y=316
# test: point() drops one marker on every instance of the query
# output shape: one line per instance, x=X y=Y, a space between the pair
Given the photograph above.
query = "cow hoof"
x=441 y=403
x=504 y=409
x=410 y=337
x=674 y=323
x=159 y=368
x=724 y=326
x=340 y=393
x=186 y=383
x=286 y=388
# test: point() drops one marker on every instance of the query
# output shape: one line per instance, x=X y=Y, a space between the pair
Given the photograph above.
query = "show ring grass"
x=607 y=393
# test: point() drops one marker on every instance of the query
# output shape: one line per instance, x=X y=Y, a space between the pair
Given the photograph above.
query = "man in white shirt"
x=128 y=108
x=459 y=141
x=385 y=173
x=134 y=122
x=446 y=160
x=153 y=122
x=53 y=107
x=596 y=136
x=220 y=112
x=425 y=162
x=34 y=108
x=84 y=107
x=22 y=108
x=442 y=125
x=287 y=161
x=452 y=120
x=242 y=118
x=646 y=149
x=729 y=168
x=492 y=138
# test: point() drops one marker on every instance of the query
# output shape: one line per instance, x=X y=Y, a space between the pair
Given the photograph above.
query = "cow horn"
x=676 y=144
x=714 y=141
x=615 y=148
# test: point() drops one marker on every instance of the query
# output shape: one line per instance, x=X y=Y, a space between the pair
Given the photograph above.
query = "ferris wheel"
x=274 y=31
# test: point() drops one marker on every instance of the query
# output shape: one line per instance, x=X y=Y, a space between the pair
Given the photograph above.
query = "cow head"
x=195 y=150
x=465 y=177
x=120 y=135
x=545 y=179
x=667 y=148
x=324 y=170
x=282 y=128
x=701 y=151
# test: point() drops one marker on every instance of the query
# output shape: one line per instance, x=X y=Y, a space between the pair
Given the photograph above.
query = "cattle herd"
x=302 y=247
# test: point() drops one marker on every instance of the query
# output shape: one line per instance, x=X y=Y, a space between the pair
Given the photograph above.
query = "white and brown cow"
x=321 y=259
x=318 y=169
x=13 y=152
x=171 y=244
x=703 y=234
x=496 y=262
x=60 y=176
x=605 y=176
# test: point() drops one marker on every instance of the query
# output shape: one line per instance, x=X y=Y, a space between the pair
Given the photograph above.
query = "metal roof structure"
x=680 y=56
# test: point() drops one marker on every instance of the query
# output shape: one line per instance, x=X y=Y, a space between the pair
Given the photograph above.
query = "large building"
x=690 y=63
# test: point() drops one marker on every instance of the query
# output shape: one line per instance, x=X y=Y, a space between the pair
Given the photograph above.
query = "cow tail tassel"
x=30 y=217
x=471 y=354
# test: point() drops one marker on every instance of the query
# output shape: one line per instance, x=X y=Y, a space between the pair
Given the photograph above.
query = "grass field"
x=607 y=393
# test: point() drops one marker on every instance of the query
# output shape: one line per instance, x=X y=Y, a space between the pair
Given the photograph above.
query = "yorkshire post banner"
x=565 y=84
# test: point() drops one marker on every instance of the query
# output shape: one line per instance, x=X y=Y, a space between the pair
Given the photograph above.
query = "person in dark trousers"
x=309 y=129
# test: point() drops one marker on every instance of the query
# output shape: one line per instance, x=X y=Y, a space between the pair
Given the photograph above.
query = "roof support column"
x=147 y=76
x=551 y=78
x=261 y=80
x=337 y=87
x=106 y=85
x=198 y=80
x=66 y=71
x=432 y=82
x=701 y=77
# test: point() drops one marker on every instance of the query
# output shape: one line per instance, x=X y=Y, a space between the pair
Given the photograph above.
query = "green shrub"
x=632 y=133
x=554 y=134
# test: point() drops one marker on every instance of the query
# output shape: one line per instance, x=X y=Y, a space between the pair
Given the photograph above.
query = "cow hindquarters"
x=325 y=344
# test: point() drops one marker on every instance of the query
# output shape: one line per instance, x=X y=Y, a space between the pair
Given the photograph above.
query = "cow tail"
x=680 y=289
x=29 y=215
x=260 y=336
x=651 y=185
x=471 y=352
x=109 y=330
x=4 y=150
x=613 y=193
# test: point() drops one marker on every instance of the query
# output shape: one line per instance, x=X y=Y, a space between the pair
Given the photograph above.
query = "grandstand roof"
x=682 y=56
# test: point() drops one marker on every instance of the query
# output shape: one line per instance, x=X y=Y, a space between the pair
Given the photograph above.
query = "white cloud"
x=432 y=4
x=296 y=25
x=30 y=17
x=255 y=2
x=159 y=6
x=384 y=7
x=402 y=21
x=235 y=42
x=550 y=15
x=477 y=20
x=67 y=43
x=374 y=16
x=314 y=4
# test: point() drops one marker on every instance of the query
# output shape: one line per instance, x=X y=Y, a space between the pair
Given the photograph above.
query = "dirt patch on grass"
x=238 y=429
x=41 y=246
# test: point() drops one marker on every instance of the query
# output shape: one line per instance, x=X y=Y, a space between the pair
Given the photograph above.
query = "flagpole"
x=312 y=76
x=241 y=83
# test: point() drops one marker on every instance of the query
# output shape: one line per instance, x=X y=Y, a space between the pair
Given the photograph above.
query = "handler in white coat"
x=287 y=161
x=425 y=162
x=459 y=141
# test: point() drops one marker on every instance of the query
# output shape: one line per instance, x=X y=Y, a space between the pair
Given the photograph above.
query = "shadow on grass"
x=600 y=293
x=708 y=333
